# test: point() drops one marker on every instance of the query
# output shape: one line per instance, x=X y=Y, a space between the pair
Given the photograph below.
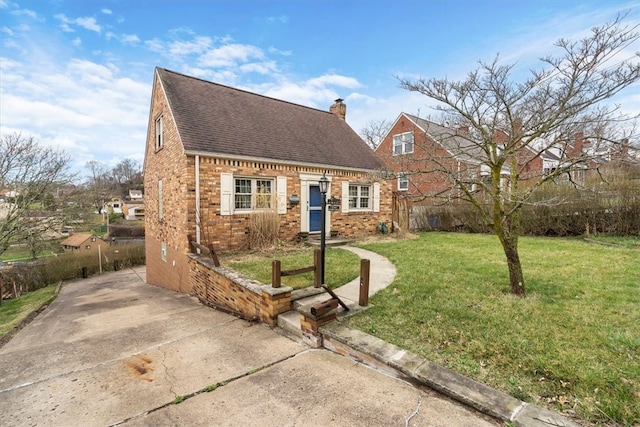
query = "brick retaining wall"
x=227 y=289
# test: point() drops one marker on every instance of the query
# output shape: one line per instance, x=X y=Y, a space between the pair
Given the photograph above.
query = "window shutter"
x=345 y=197
x=226 y=193
x=281 y=191
x=376 y=197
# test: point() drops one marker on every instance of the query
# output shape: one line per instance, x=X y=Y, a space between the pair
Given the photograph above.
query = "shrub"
x=31 y=276
x=263 y=229
x=612 y=208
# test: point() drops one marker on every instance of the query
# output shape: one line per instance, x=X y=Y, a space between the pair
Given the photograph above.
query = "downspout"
x=459 y=190
x=198 y=219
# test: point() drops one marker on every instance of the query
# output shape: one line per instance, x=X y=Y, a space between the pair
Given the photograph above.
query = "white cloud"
x=106 y=11
x=230 y=55
x=25 y=12
x=129 y=39
x=89 y=109
x=267 y=67
x=76 y=42
x=279 y=52
x=88 y=23
x=283 y=19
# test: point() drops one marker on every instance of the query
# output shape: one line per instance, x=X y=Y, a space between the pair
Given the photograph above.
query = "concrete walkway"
x=112 y=350
x=381 y=275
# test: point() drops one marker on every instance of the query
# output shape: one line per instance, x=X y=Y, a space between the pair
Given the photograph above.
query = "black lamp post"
x=324 y=187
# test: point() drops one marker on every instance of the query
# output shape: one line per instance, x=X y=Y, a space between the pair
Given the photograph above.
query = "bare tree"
x=127 y=175
x=99 y=185
x=505 y=125
x=374 y=132
x=28 y=173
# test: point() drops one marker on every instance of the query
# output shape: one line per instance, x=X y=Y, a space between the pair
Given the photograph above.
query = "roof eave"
x=273 y=161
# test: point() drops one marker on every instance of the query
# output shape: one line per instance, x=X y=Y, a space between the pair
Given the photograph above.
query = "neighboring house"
x=114 y=206
x=83 y=242
x=216 y=155
x=135 y=194
x=133 y=209
x=422 y=155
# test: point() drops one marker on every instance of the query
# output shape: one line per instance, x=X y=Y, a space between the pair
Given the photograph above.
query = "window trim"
x=254 y=192
x=159 y=133
x=403 y=178
x=403 y=145
x=359 y=198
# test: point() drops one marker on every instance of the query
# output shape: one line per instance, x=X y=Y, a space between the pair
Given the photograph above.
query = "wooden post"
x=214 y=257
x=365 y=268
x=317 y=272
x=276 y=267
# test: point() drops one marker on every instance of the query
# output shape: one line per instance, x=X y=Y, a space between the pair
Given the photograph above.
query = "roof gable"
x=451 y=140
x=76 y=240
x=220 y=120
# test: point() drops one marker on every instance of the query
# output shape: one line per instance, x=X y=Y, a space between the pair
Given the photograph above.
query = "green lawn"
x=13 y=311
x=572 y=344
x=341 y=266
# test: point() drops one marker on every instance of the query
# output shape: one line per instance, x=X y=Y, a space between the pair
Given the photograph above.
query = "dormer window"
x=403 y=143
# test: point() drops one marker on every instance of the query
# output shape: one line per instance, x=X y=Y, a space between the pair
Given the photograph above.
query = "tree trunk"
x=516 y=278
x=508 y=232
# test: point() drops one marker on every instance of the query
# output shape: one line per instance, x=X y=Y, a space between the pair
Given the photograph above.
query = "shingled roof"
x=76 y=240
x=450 y=139
x=216 y=119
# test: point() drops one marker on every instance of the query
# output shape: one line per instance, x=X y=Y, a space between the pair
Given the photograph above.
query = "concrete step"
x=290 y=321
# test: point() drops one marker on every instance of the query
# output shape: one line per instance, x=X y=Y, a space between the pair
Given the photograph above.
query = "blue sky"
x=77 y=74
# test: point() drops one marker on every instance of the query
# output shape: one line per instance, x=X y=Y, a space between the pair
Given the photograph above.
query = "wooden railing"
x=277 y=273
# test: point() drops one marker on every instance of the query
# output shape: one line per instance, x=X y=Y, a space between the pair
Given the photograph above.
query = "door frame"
x=306 y=181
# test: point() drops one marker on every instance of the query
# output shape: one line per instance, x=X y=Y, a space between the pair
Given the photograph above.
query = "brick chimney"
x=579 y=144
x=339 y=109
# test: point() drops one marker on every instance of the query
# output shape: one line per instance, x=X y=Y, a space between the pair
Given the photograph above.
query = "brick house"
x=83 y=243
x=424 y=156
x=215 y=155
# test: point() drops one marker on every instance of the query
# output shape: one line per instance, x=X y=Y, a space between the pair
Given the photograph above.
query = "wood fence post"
x=317 y=264
x=276 y=267
x=365 y=268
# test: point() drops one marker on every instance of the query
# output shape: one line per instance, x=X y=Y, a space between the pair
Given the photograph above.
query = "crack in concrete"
x=169 y=377
x=415 y=413
x=208 y=388
x=115 y=360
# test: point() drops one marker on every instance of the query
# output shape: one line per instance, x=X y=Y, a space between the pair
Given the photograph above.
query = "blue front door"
x=315 y=208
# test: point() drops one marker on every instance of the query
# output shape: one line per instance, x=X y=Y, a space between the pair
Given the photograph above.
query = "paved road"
x=112 y=350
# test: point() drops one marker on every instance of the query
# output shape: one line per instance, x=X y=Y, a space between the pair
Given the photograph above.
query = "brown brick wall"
x=231 y=232
x=169 y=165
x=224 y=288
x=225 y=232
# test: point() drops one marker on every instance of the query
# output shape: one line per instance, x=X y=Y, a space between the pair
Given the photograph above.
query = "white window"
x=160 y=213
x=253 y=193
x=403 y=143
x=87 y=247
x=403 y=182
x=163 y=251
x=359 y=197
x=159 y=133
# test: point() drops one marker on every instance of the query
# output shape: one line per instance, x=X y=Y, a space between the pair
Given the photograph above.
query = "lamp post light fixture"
x=324 y=187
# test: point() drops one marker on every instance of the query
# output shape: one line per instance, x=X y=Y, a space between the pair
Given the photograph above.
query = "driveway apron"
x=112 y=350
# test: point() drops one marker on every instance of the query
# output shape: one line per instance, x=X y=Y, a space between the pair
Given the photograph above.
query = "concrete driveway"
x=112 y=350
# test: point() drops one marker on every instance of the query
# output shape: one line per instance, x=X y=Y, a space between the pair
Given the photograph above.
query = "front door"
x=315 y=209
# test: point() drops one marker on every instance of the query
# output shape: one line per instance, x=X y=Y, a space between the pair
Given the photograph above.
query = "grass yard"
x=13 y=311
x=572 y=344
x=341 y=266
